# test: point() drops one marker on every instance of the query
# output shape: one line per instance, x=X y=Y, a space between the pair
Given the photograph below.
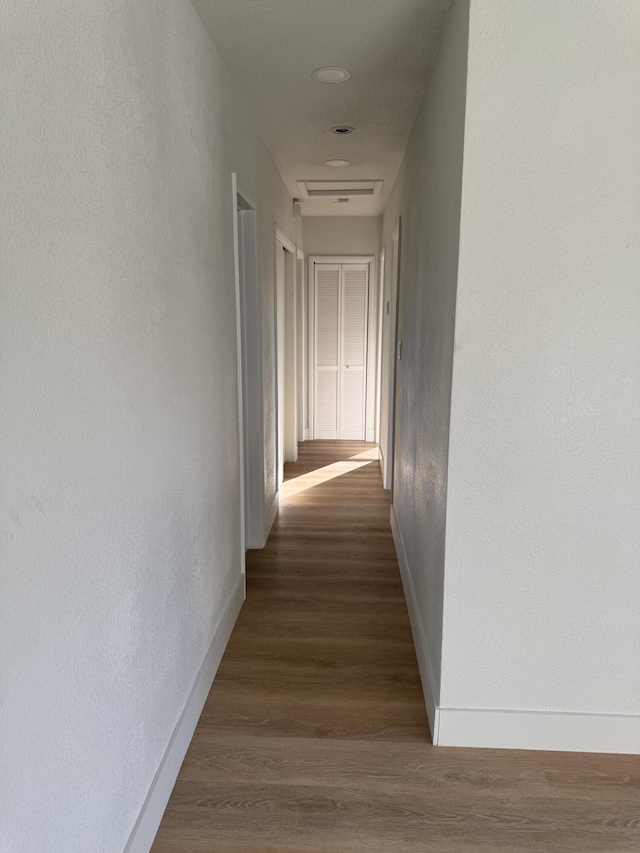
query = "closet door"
x=327 y=346
x=352 y=381
x=340 y=359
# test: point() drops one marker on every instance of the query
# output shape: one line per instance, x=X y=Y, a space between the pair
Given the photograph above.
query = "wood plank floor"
x=314 y=737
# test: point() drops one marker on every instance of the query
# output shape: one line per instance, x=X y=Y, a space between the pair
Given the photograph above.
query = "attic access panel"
x=339 y=189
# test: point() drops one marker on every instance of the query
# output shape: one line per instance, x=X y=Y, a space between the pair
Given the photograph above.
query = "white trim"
x=356 y=188
x=381 y=460
x=544 y=730
x=340 y=259
x=286 y=449
x=372 y=352
x=146 y=826
x=251 y=328
x=301 y=346
x=270 y=517
x=278 y=357
x=392 y=357
x=427 y=677
x=380 y=314
x=311 y=320
x=281 y=237
x=370 y=402
x=246 y=197
x=290 y=357
x=236 y=270
x=509 y=729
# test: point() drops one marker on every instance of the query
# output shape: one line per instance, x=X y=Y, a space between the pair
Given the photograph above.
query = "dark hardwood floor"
x=314 y=737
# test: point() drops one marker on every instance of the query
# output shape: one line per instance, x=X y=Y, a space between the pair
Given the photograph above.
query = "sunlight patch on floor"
x=326 y=473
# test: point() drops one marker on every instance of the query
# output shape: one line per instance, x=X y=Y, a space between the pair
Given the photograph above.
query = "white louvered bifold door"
x=340 y=363
x=353 y=352
x=327 y=345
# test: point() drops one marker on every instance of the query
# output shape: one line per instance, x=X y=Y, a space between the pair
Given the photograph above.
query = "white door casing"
x=302 y=431
x=280 y=359
x=388 y=356
x=341 y=307
x=286 y=369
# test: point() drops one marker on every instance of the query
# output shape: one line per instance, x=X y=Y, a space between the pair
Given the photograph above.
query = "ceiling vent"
x=340 y=189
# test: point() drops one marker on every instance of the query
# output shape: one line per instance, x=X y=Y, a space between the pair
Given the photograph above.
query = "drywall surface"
x=543 y=541
x=342 y=235
x=118 y=430
x=427 y=197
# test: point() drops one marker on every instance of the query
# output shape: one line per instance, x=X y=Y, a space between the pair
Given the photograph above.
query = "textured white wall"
x=342 y=235
x=427 y=196
x=543 y=540
x=118 y=427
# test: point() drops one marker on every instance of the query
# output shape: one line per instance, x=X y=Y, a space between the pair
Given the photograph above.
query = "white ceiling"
x=271 y=48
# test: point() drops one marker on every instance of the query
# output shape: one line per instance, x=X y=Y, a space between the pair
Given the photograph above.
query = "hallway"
x=314 y=736
x=229 y=226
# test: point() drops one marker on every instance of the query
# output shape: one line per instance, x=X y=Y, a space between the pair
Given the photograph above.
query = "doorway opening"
x=302 y=349
x=342 y=348
x=379 y=365
x=390 y=352
x=250 y=377
x=286 y=361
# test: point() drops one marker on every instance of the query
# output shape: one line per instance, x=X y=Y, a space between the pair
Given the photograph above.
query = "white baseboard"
x=270 y=517
x=544 y=730
x=387 y=474
x=148 y=821
x=429 y=685
x=509 y=729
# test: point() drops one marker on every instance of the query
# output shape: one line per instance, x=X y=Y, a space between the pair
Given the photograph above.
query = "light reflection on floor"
x=328 y=472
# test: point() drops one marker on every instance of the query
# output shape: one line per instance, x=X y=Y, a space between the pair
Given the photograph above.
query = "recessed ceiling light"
x=338 y=163
x=342 y=129
x=331 y=75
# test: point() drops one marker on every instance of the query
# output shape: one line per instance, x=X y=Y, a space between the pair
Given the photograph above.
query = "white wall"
x=427 y=197
x=118 y=428
x=342 y=235
x=543 y=538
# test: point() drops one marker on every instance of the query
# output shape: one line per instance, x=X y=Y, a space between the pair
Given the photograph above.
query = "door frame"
x=387 y=452
x=285 y=367
x=302 y=348
x=372 y=342
x=249 y=335
x=380 y=316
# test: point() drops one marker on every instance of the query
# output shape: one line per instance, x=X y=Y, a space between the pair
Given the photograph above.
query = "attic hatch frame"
x=310 y=189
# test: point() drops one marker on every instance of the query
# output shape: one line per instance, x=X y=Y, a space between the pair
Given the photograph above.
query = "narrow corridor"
x=314 y=736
